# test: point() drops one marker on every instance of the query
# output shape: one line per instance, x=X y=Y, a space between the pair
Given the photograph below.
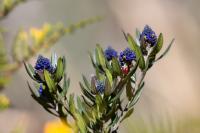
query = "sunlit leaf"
x=136 y=49
x=59 y=70
x=49 y=81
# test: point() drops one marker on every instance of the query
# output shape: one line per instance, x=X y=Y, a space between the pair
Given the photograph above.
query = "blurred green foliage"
x=28 y=43
x=7 y=5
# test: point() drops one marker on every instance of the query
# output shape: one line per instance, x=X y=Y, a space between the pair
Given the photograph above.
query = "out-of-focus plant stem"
x=11 y=68
x=126 y=109
x=8 y=6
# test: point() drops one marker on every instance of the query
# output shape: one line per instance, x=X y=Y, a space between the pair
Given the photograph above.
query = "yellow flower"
x=37 y=34
x=4 y=102
x=57 y=127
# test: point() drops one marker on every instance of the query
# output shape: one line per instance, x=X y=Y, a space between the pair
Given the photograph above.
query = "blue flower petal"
x=127 y=56
x=110 y=53
x=100 y=87
x=44 y=63
x=149 y=36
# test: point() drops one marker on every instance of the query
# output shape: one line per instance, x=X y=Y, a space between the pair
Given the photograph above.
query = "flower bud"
x=110 y=53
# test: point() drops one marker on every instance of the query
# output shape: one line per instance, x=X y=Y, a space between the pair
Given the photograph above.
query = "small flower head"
x=40 y=90
x=148 y=36
x=127 y=56
x=100 y=87
x=110 y=53
x=43 y=63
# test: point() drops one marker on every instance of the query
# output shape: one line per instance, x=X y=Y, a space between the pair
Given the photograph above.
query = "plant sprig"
x=102 y=106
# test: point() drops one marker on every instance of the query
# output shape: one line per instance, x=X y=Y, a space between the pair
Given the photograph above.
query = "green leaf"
x=116 y=119
x=129 y=90
x=66 y=84
x=93 y=86
x=116 y=67
x=166 y=51
x=49 y=81
x=71 y=103
x=114 y=99
x=33 y=91
x=81 y=123
x=137 y=51
x=127 y=114
x=101 y=56
x=87 y=93
x=125 y=36
x=86 y=82
x=30 y=70
x=87 y=102
x=59 y=70
x=99 y=106
x=156 y=49
x=98 y=99
x=107 y=87
x=79 y=104
x=136 y=96
x=158 y=46
x=109 y=76
x=92 y=59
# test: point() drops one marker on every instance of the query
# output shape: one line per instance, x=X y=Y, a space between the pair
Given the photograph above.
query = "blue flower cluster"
x=148 y=36
x=100 y=87
x=44 y=63
x=110 y=53
x=40 y=90
x=127 y=56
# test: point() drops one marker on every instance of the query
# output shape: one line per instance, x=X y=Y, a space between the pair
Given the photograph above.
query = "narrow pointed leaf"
x=137 y=95
x=102 y=59
x=107 y=87
x=66 y=85
x=116 y=67
x=59 y=70
x=81 y=123
x=86 y=82
x=137 y=51
x=92 y=59
x=80 y=106
x=29 y=70
x=129 y=90
x=87 y=93
x=127 y=114
x=49 y=81
x=158 y=46
x=71 y=103
x=166 y=51
x=109 y=76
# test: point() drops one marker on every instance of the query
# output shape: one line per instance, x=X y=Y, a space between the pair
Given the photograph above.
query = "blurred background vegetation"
x=170 y=100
